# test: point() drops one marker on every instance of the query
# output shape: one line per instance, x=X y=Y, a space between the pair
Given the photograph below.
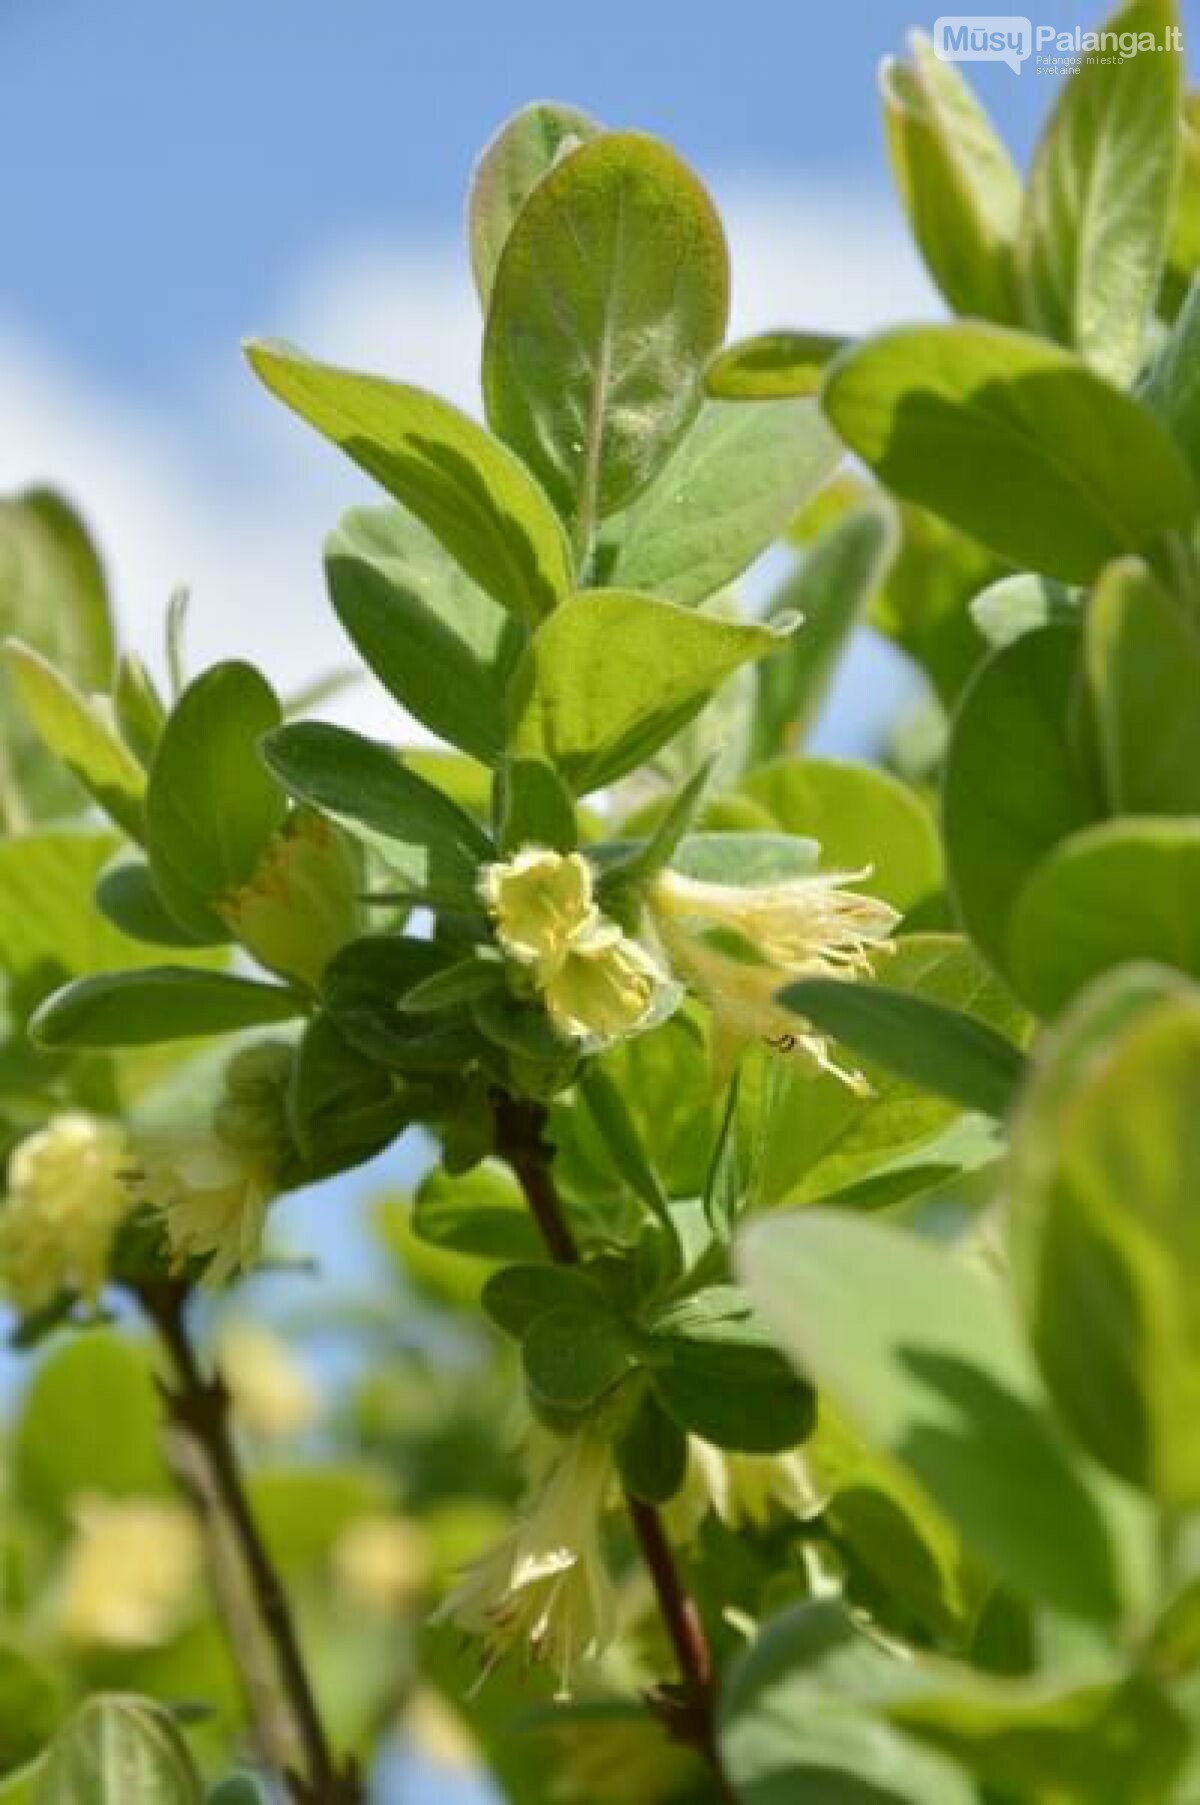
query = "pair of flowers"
x=735 y=946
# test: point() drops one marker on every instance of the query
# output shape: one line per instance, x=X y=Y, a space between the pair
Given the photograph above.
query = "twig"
x=688 y=1709
x=199 y=1406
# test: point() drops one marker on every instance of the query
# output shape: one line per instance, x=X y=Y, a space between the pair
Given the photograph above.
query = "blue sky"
x=176 y=176
x=168 y=168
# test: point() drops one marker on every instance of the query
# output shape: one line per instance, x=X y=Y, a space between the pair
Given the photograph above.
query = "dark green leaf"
x=162 y=1002
x=935 y=1048
x=427 y=840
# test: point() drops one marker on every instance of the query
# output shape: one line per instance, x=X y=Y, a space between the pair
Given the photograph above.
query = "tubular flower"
x=68 y=1193
x=214 y=1185
x=738 y=946
x=747 y=1490
x=545 y=1587
x=595 y=982
x=131 y=1573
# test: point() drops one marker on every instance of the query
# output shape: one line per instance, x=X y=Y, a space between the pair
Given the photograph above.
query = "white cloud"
x=232 y=497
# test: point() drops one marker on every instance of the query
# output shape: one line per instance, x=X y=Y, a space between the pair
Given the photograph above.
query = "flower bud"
x=68 y=1193
x=302 y=904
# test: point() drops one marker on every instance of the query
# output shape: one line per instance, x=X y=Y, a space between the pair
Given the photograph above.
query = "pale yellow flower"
x=131 y=1573
x=596 y=983
x=604 y=988
x=68 y=1193
x=545 y=1590
x=382 y=1564
x=274 y=1395
x=539 y=901
x=213 y=1198
x=214 y=1184
x=749 y=1491
x=738 y=946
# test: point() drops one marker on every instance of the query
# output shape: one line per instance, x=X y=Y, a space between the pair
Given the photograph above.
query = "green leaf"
x=50 y=929
x=797 y=1727
x=829 y=590
x=613 y=675
x=738 y=477
x=31 y=1701
x=772 y=366
x=1012 y=440
x=663 y=1078
x=241 y=1789
x=211 y=806
x=477 y=499
x=364 y=988
x=74 y=730
x=53 y=596
x=1143 y=665
x=138 y=707
x=518 y=1296
x=611 y=294
x=481 y=1213
x=1172 y=386
x=1098 y=205
x=652 y=1453
x=437 y=642
x=959 y=185
x=572 y=1356
x=63 y=1444
x=1092 y=1741
x=923 y=604
x=1015 y=782
x=717 y=1373
x=864 y=820
x=746 y=858
x=343 y=1108
x=126 y=895
x=534 y=807
x=524 y=149
x=427 y=840
x=1112 y=894
x=1102 y=1191
x=115 y=1749
x=158 y=1003
x=813 y=1135
x=922 y=1356
x=935 y=1048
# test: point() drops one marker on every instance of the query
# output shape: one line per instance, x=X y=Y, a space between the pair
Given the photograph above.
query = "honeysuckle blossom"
x=67 y=1195
x=738 y=946
x=747 y=1490
x=214 y=1184
x=545 y=1588
x=596 y=982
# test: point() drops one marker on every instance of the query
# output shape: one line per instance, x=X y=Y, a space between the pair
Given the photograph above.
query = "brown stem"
x=199 y=1406
x=688 y=1709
